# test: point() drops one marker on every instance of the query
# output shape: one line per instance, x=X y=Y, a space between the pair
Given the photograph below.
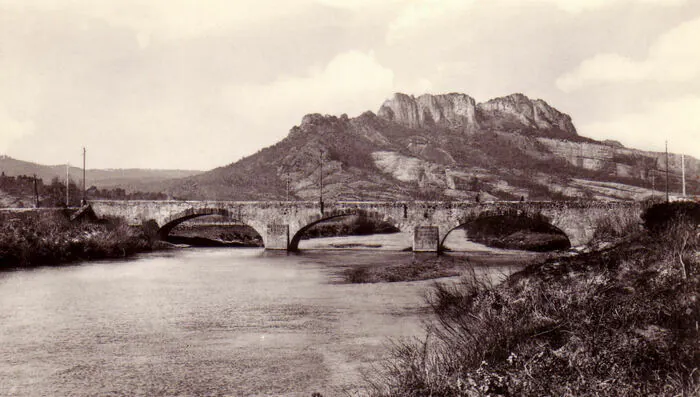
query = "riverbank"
x=621 y=321
x=32 y=239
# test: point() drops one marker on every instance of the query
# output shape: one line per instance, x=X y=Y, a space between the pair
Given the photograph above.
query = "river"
x=203 y=322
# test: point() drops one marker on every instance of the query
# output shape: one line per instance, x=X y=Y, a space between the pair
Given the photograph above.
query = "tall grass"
x=29 y=239
x=620 y=322
x=621 y=224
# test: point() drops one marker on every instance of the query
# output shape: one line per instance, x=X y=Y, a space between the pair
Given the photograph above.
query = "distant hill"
x=441 y=147
x=129 y=179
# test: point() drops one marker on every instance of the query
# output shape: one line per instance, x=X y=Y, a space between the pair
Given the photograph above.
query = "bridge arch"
x=338 y=213
x=173 y=220
x=538 y=219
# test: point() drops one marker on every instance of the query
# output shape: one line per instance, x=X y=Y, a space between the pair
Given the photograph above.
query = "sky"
x=193 y=84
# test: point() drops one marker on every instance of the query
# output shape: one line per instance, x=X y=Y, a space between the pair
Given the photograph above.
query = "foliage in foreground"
x=620 y=322
x=41 y=239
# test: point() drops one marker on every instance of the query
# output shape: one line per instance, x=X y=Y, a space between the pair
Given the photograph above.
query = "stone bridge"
x=282 y=223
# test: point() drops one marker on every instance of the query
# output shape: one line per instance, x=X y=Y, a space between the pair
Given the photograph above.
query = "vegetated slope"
x=440 y=147
x=129 y=179
x=617 y=322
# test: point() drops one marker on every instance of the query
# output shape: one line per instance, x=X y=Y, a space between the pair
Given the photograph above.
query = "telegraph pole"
x=67 y=187
x=321 y=183
x=36 y=193
x=683 y=171
x=667 y=198
x=84 y=201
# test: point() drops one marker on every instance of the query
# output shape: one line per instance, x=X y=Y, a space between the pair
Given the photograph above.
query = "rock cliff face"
x=518 y=112
x=515 y=112
x=449 y=110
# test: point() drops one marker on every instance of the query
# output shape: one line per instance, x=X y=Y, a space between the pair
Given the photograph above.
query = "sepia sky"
x=200 y=84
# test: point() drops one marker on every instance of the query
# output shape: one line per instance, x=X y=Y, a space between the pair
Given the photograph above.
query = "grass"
x=616 y=226
x=621 y=321
x=30 y=239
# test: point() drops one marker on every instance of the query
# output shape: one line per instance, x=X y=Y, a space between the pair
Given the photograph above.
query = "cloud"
x=420 y=15
x=677 y=120
x=345 y=85
x=673 y=58
x=577 y=6
x=358 y=4
x=352 y=82
x=171 y=19
x=12 y=130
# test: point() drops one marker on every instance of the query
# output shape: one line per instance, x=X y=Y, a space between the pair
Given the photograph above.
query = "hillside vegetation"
x=38 y=239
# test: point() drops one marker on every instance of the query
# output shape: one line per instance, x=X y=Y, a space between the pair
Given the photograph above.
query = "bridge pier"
x=426 y=239
x=277 y=237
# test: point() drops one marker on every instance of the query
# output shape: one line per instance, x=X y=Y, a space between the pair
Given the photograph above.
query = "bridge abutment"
x=277 y=236
x=426 y=239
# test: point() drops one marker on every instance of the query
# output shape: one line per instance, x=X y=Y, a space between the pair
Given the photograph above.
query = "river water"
x=203 y=322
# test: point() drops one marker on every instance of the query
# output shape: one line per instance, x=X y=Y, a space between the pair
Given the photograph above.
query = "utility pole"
x=321 y=183
x=36 y=193
x=667 y=198
x=67 y=187
x=84 y=201
x=683 y=171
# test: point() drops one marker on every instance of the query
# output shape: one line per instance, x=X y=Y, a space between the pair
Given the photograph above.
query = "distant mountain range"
x=441 y=147
x=129 y=179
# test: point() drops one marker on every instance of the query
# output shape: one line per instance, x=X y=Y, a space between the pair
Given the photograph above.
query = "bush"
x=621 y=224
x=31 y=239
x=660 y=216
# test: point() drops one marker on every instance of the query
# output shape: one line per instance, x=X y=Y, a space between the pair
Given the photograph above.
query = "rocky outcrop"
x=449 y=110
x=518 y=112
x=515 y=112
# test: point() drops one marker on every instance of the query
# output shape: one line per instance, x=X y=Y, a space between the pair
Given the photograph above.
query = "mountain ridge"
x=128 y=178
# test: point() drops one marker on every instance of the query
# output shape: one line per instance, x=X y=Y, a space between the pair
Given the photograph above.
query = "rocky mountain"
x=514 y=113
x=129 y=179
x=441 y=147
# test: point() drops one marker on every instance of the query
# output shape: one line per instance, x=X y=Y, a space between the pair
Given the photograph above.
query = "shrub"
x=31 y=239
x=621 y=224
x=660 y=216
